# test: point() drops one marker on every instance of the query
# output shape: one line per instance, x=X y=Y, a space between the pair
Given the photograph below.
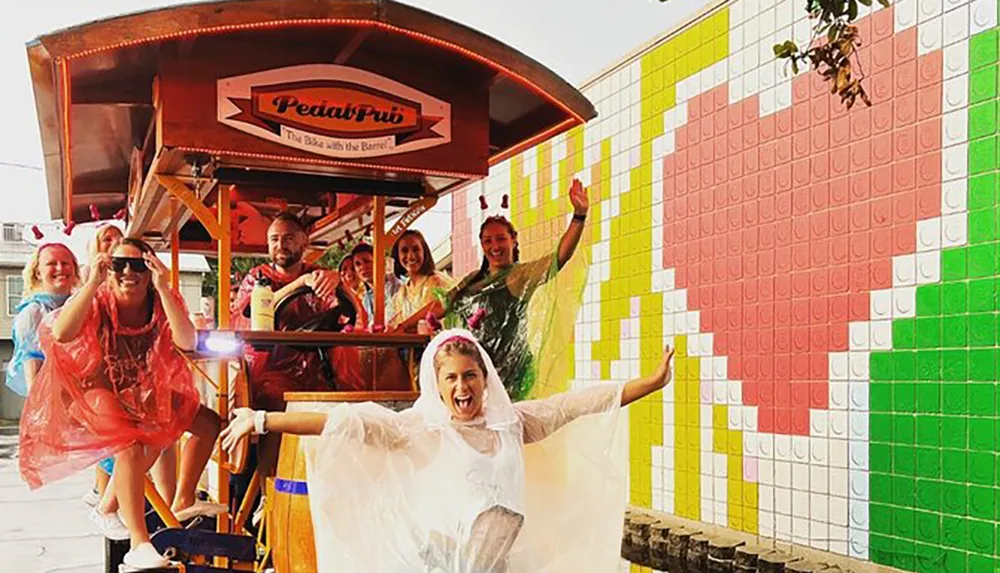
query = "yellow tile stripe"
x=742 y=496
x=631 y=268
x=630 y=241
x=687 y=432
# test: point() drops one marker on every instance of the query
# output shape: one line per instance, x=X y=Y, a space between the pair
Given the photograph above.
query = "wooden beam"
x=147 y=199
x=416 y=209
x=378 y=236
x=321 y=227
x=352 y=45
x=187 y=197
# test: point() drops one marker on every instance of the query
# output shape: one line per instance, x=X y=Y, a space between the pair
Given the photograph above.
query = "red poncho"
x=110 y=388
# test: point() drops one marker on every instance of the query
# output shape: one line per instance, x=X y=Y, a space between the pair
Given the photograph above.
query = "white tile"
x=839 y=486
x=930 y=36
x=783 y=474
x=904 y=270
x=838 y=419
x=881 y=332
x=858 y=515
x=881 y=304
x=928 y=267
x=954 y=230
x=819 y=479
x=839 y=366
x=858 y=544
x=956 y=93
x=859 y=335
x=765 y=472
x=782 y=501
x=928 y=9
x=954 y=128
x=858 y=455
x=839 y=453
x=928 y=235
x=956 y=60
x=800 y=476
x=905 y=14
x=818 y=423
x=904 y=302
x=984 y=16
x=838 y=396
x=956 y=25
x=859 y=396
x=838 y=540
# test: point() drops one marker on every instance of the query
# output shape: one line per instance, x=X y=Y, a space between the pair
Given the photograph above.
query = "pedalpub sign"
x=335 y=111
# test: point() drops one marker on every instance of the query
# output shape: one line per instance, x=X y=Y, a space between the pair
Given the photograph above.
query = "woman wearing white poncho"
x=465 y=481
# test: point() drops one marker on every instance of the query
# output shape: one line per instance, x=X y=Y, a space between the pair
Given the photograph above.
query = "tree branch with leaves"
x=833 y=49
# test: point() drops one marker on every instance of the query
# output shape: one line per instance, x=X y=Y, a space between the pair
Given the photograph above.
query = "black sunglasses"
x=137 y=264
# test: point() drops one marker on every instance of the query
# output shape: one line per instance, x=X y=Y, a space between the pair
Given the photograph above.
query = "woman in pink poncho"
x=114 y=384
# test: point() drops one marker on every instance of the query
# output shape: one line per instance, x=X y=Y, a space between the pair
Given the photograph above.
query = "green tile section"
x=934 y=427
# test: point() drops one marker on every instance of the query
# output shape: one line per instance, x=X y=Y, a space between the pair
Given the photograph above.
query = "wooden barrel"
x=288 y=521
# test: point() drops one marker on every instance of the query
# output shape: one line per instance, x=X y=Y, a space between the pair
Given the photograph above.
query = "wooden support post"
x=175 y=249
x=379 y=240
x=225 y=267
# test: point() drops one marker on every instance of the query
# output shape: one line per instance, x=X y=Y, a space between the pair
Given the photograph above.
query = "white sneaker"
x=110 y=525
x=91 y=498
x=143 y=557
x=200 y=508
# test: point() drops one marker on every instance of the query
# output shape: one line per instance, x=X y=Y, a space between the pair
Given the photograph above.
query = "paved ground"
x=45 y=531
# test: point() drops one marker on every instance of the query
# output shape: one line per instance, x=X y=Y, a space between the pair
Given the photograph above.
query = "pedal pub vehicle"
x=202 y=120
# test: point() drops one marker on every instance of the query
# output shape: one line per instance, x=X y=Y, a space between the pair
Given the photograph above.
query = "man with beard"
x=272 y=372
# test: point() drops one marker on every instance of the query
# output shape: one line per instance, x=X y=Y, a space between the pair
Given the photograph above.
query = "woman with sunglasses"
x=115 y=384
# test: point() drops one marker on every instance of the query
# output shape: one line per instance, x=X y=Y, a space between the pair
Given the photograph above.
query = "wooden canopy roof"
x=104 y=91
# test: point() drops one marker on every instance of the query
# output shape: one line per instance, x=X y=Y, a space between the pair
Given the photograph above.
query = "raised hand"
x=161 y=274
x=579 y=198
x=662 y=374
x=99 y=269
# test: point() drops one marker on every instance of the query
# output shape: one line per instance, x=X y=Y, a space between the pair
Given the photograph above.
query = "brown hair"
x=500 y=220
x=143 y=246
x=348 y=260
x=426 y=268
x=462 y=347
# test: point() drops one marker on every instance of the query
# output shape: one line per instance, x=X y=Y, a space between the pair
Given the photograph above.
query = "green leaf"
x=852 y=10
x=795 y=66
x=867 y=3
x=884 y=3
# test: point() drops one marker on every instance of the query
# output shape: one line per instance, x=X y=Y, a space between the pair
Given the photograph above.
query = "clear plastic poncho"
x=29 y=317
x=536 y=486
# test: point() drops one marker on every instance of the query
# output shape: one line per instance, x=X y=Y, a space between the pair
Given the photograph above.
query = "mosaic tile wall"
x=830 y=279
